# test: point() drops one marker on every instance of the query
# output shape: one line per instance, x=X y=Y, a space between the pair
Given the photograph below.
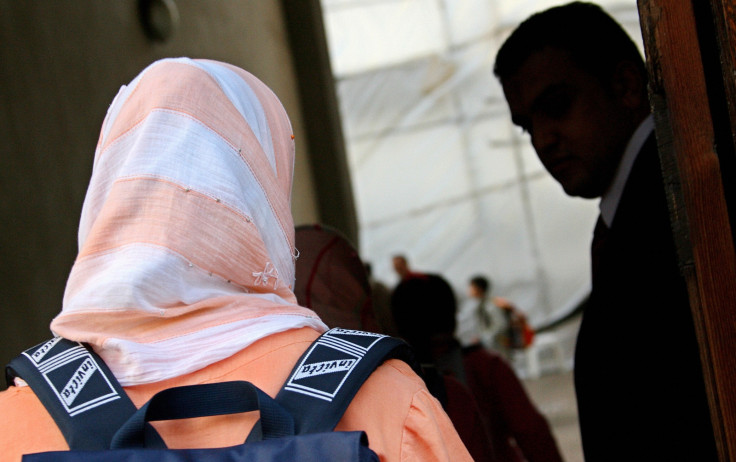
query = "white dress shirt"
x=612 y=196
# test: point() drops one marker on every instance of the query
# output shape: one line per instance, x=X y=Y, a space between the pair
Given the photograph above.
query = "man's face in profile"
x=578 y=126
x=400 y=266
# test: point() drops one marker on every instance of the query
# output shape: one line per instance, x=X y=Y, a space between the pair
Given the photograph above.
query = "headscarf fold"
x=186 y=240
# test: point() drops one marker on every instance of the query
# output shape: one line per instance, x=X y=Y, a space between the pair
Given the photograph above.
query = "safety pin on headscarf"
x=268 y=272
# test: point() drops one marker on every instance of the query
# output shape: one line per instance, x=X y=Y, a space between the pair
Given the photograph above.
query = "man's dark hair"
x=595 y=40
x=481 y=282
x=423 y=306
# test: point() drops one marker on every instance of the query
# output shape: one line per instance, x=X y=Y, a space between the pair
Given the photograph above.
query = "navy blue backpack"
x=100 y=423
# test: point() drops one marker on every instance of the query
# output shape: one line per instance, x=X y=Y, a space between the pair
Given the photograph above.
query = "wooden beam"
x=319 y=103
x=687 y=123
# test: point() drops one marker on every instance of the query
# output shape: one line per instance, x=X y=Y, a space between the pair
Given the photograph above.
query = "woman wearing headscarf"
x=186 y=267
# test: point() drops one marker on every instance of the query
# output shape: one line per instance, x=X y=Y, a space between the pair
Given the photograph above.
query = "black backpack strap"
x=329 y=374
x=77 y=388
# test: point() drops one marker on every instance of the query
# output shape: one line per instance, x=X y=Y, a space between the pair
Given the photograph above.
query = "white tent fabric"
x=439 y=172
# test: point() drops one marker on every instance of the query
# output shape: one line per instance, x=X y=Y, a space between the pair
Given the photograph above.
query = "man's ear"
x=629 y=86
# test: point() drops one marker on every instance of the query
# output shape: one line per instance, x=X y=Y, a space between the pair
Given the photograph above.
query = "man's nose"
x=545 y=139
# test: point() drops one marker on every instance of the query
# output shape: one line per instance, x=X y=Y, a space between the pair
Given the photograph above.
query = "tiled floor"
x=554 y=396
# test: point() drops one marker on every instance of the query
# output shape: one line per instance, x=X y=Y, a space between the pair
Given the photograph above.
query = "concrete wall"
x=61 y=63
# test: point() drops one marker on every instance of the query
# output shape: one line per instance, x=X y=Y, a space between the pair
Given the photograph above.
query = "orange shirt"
x=402 y=420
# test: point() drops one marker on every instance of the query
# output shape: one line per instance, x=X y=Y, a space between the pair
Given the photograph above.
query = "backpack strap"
x=77 y=389
x=89 y=405
x=329 y=374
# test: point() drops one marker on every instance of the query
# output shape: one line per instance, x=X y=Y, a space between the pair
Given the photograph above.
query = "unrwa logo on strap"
x=42 y=350
x=324 y=367
x=73 y=375
x=79 y=379
x=329 y=362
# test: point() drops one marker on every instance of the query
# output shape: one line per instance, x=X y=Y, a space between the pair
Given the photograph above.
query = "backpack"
x=100 y=423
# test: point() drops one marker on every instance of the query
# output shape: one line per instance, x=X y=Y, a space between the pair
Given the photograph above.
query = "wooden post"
x=332 y=185
x=693 y=99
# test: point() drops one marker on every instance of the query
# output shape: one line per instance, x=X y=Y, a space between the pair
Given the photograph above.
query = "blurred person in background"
x=332 y=280
x=424 y=310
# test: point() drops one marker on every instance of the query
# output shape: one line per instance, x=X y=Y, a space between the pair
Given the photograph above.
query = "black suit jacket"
x=638 y=376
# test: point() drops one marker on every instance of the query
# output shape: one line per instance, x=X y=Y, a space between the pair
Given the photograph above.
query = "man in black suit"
x=576 y=83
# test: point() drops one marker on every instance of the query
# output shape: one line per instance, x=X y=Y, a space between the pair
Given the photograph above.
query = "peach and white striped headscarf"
x=186 y=240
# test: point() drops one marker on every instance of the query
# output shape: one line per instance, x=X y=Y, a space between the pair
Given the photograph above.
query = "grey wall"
x=61 y=63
